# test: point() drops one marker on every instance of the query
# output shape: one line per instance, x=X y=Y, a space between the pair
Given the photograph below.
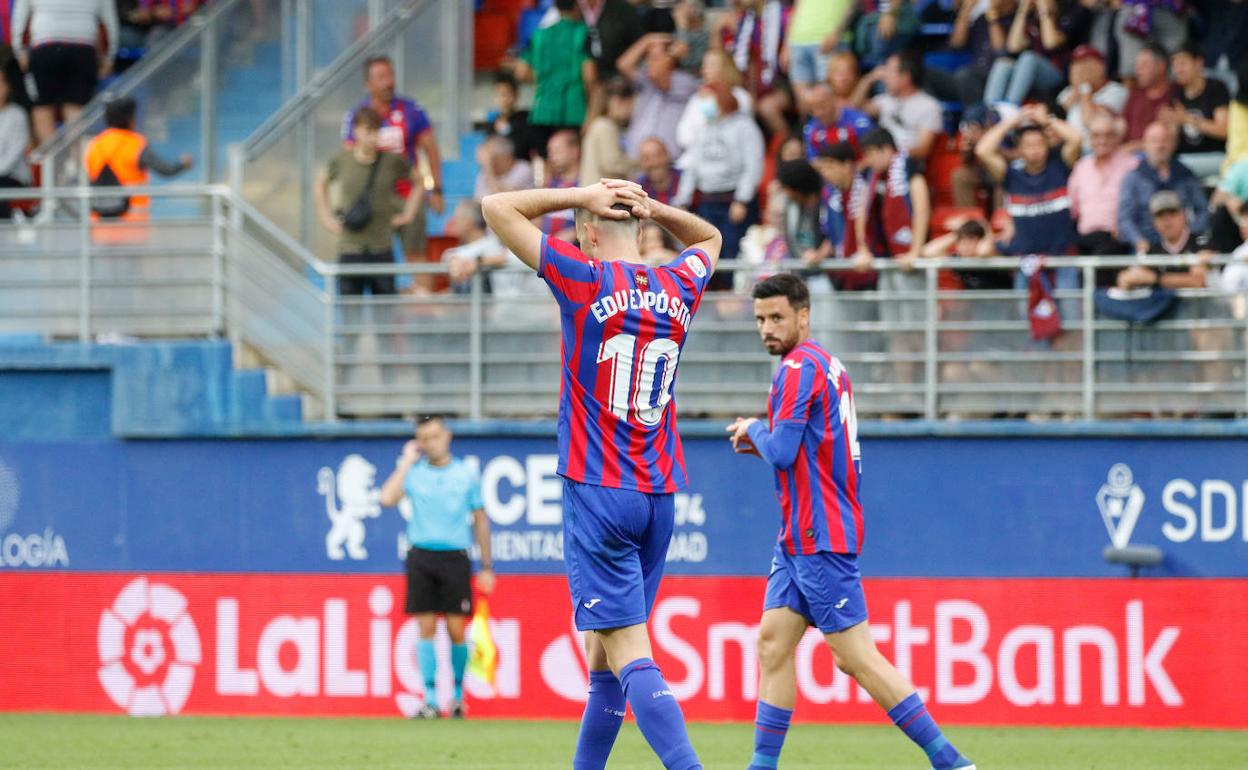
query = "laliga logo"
x=1120 y=500
x=356 y=484
x=149 y=649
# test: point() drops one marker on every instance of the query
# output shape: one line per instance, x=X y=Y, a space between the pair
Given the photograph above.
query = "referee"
x=445 y=497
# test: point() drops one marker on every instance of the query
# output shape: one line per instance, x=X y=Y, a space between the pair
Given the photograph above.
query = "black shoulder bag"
x=361 y=212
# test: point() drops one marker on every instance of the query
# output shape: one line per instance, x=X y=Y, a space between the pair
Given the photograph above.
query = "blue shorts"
x=615 y=545
x=825 y=588
x=807 y=65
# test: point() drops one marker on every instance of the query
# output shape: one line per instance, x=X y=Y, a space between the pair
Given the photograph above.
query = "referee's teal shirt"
x=442 y=499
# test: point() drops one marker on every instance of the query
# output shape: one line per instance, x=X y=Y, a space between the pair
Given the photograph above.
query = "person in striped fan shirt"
x=811 y=439
x=624 y=324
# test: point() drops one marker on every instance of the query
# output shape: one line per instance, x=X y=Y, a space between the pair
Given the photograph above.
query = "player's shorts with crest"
x=615 y=545
x=825 y=588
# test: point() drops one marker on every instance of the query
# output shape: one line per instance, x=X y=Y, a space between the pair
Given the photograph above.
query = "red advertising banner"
x=984 y=651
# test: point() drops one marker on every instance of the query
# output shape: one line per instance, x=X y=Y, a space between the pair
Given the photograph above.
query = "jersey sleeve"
x=572 y=277
x=417 y=121
x=692 y=268
x=795 y=389
x=475 y=499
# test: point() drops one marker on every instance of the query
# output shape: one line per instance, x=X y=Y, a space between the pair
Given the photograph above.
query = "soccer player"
x=624 y=324
x=446 y=511
x=811 y=439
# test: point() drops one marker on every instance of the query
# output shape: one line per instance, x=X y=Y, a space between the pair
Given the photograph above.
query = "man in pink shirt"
x=1094 y=185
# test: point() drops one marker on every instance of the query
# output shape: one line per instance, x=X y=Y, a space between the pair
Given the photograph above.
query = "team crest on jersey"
x=643 y=281
x=695 y=264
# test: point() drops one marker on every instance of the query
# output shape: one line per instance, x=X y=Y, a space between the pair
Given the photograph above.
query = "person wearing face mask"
x=722 y=177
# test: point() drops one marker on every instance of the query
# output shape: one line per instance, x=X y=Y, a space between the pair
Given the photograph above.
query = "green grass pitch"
x=32 y=741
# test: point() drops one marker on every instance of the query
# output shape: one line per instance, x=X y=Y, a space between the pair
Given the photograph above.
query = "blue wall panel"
x=933 y=506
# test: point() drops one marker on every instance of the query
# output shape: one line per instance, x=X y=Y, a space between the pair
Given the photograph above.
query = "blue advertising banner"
x=942 y=507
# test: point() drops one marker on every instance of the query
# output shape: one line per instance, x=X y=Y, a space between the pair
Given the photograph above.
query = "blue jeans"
x=1012 y=81
x=716 y=213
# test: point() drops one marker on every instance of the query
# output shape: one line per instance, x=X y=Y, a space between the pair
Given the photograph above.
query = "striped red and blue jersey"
x=401 y=128
x=624 y=325
x=812 y=441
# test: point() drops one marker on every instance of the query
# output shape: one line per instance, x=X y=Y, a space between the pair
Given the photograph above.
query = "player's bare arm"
x=509 y=214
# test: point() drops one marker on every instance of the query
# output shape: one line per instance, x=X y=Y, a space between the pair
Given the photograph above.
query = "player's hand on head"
x=599 y=199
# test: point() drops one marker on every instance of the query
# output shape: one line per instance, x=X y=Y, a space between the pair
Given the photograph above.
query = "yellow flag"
x=483 y=657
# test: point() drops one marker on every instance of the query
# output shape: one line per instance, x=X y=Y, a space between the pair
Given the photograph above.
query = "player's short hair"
x=784 y=285
x=367 y=117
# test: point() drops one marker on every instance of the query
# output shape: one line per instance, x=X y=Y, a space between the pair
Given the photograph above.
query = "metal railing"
x=214 y=80
x=920 y=351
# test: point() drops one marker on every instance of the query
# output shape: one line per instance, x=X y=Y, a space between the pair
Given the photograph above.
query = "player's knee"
x=772 y=652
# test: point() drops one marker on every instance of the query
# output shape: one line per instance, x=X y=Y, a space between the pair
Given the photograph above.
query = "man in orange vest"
x=121 y=157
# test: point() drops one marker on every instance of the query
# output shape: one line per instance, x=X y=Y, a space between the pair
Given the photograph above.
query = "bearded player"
x=811 y=440
x=624 y=323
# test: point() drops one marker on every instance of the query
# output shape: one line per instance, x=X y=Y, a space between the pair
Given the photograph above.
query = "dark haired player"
x=624 y=325
x=811 y=439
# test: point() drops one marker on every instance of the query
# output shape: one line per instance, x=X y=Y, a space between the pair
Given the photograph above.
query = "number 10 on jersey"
x=641 y=380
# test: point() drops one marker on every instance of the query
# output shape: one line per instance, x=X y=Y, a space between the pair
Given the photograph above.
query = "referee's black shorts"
x=438 y=581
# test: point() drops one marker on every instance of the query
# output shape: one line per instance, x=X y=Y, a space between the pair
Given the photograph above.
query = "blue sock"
x=771 y=724
x=604 y=713
x=427 y=658
x=459 y=661
x=911 y=716
x=658 y=715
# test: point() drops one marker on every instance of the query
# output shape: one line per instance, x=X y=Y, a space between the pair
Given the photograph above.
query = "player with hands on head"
x=624 y=324
x=810 y=438
x=446 y=512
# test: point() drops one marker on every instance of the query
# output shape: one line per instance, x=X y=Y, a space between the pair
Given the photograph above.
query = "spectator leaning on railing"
x=62 y=57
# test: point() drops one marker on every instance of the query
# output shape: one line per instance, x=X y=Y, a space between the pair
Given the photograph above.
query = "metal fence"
x=924 y=351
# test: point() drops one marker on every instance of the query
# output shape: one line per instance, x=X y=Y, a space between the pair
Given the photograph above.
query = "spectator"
x=843 y=77
x=406 y=131
x=1158 y=171
x=814 y=30
x=479 y=250
x=1200 y=112
x=726 y=164
x=557 y=62
x=1237 y=124
x=1090 y=91
x=62 y=57
x=836 y=165
x=1095 y=184
x=602 y=153
x=1152 y=91
x=891 y=221
x=563 y=164
x=498 y=169
x=656 y=246
x=884 y=28
x=829 y=124
x=693 y=39
x=14 y=140
x=754 y=36
x=971 y=183
x=613 y=26
x=970 y=239
x=1141 y=24
x=1039 y=35
x=912 y=117
x=980 y=32
x=717 y=67
x=803 y=233
x=763 y=245
x=662 y=92
x=658 y=177
x=367 y=213
x=505 y=119
x=1036 y=187
x=157 y=18
x=1174 y=237
x=1229 y=212
x=121 y=157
